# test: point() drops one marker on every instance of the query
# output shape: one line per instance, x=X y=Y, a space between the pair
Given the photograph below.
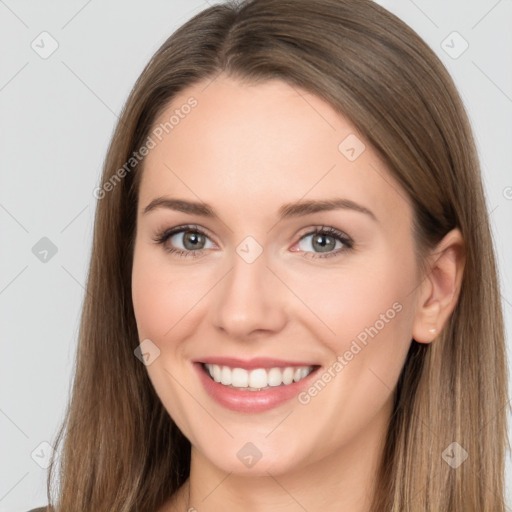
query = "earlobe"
x=440 y=289
x=426 y=325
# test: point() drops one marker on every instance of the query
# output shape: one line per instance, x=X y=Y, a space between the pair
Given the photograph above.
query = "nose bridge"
x=247 y=300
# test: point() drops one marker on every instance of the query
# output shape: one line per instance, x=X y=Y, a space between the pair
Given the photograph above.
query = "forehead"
x=260 y=145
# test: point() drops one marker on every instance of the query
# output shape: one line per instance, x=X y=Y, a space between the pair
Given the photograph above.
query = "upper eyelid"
x=180 y=229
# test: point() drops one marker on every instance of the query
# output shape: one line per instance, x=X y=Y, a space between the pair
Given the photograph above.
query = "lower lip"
x=251 y=401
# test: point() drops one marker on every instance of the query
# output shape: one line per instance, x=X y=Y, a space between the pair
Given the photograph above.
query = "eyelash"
x=164 y=235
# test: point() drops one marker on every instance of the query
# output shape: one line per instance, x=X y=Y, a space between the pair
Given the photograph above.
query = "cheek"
x=151 y=301
x=348 y=302
x=161 y=296
x=161 y=300
x=370 y=312
x=366 y=316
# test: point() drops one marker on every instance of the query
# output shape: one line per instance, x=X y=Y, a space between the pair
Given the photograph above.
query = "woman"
x=292 y=300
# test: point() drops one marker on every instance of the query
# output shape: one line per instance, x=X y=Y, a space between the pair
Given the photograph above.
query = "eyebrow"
x=289 y=210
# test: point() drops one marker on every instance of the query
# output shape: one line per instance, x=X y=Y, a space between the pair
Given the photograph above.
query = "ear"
x=440 y=288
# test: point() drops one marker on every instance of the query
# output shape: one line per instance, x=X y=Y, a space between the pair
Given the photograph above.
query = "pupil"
x=193 y=239
x=323 y=245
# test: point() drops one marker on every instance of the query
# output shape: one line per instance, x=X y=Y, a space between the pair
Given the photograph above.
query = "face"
x=273 y=278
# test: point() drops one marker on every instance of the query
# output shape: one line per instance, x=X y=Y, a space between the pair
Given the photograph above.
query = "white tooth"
x=216 y=372
x=288 y=375
x=258 y=378
x=225 y=376
x=304 y=372
x=275 y=377
x=239 y=378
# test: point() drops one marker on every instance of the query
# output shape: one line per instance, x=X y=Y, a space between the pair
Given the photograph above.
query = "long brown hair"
x=120 y=449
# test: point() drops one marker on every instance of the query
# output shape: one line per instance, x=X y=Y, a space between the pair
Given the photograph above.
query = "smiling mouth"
x=257 y=379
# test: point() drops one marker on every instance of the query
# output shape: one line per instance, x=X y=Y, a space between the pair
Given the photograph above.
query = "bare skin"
x=246 y=150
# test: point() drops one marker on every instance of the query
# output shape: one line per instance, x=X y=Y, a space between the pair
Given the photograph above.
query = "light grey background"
x=57 y=117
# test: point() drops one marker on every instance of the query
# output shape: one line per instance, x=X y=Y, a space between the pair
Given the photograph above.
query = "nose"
x=250 y=300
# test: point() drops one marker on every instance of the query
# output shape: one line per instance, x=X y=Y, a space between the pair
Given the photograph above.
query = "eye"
x=193 y=241
x=326 y=242
x=184 y=241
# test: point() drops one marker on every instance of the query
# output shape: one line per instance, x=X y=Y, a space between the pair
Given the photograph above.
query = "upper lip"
x=257 y=362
